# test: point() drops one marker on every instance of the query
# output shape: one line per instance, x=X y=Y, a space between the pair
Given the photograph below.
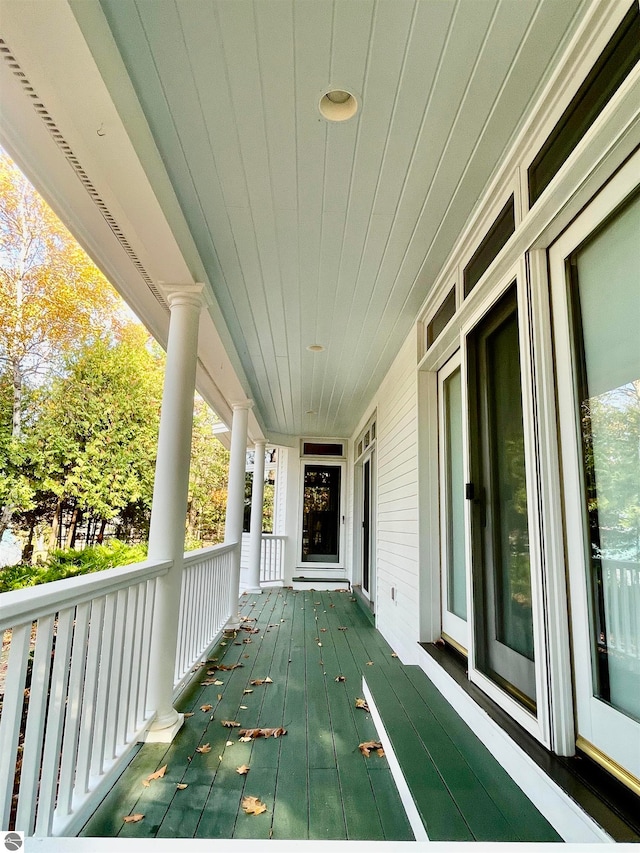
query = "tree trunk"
x=5 y=518
x=73 y=527
x=100 y=536
x=55 y=526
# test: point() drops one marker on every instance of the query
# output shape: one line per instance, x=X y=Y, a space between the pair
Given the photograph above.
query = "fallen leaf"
x=340 y=678
x=324 y=630
x=231 y=724
x=132 y=818
x=188 y=714
x=244 y=739
x=259 y=681
x=204 y=748
x=319 y=644
x=248 y=690
x=252 y=805
x=394 y=655
x=251 y=734
x=209 y=682
x=366 y=747
x=369 y=663
x=157 y=775
x=343 y=628
x=247 y=641
x=380 y=752
x=219 y=697
x=243 y=769
x=218 y=683
x=243 y=707
x=181 y=786
x=362 y=703
x=229 y=743
x=206 y=708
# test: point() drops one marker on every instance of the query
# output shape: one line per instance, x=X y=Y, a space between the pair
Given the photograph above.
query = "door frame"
x=309 y=565
x=538 y=724
x=368 y=456
x=590 y=712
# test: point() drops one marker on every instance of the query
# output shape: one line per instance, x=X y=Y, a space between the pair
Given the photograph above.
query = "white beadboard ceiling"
x=310 y=232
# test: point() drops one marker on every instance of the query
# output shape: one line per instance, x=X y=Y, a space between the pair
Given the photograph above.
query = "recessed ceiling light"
x=315 y=348
x=338 y=105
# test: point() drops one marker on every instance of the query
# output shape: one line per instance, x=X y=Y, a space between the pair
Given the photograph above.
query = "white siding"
x=397 y=504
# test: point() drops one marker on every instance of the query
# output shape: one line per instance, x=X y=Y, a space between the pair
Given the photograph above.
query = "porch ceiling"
x=305 y=231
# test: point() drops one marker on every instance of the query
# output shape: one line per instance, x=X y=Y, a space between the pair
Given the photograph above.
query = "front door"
x=366 y=541
x=501 y=573
x=595 y=277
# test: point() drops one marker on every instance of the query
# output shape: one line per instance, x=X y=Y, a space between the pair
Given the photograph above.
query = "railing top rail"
x=273 y=536
x=23 y=605
x=211 y=551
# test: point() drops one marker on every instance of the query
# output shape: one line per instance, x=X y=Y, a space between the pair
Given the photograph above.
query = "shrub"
x=71 y=563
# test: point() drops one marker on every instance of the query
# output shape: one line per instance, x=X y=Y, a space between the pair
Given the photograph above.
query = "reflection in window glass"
x=606 y=299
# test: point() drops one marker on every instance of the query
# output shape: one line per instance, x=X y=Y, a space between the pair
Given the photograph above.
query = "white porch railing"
x=272 y=558
x=204 y=605
x=76 y=679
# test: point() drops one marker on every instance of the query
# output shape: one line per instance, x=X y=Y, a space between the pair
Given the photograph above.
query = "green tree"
x=96 y=438
x=208 y=480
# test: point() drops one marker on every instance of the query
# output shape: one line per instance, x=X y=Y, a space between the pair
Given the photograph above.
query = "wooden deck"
x=314 y=781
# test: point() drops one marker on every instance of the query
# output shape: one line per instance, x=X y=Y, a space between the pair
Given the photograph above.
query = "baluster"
x=12 y=714
x=74 y=705
x=104 y=684
x=55 y=723
x=89 y=706
x=123 y=710
x=33 y=739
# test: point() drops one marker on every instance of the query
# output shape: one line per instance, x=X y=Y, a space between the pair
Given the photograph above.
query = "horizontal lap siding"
x=397 y=518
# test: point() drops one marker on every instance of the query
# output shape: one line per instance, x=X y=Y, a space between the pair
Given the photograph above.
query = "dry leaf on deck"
x=157 y=775
x=343 y=628
x=204 y=748
x=206 y=708
x=181 y=786
x=255 y=733
x=252 y=805
x=362 y=703
x=258 y=681
x=188 y=714
x=243 y=769
x=369 y=663
x=367 y=746
x=208 y=682
x=231 y=724
x=248 y=690
x=380 y=752
x=324 y=630
x=243 y=707
x=132 y=818
x=340 y=678
x=244 y=739
x=394 y=655
x=229 y=743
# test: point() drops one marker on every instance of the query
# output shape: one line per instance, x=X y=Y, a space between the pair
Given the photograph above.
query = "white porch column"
x=170 y=494
x=235 y=500
x=257 y=500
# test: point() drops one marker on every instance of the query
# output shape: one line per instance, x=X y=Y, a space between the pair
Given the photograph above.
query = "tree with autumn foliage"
x=52 y=299
x=208 y=479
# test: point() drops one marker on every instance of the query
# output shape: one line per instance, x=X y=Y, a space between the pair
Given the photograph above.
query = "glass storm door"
x=503 y=620
x=321 y=513
x=596 y=291
x=452 y=491
x=367 y=530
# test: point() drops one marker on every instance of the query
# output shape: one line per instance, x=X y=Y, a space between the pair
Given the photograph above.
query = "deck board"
x=314 y=780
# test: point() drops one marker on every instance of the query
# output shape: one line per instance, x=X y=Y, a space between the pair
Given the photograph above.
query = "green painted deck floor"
x=314 y=780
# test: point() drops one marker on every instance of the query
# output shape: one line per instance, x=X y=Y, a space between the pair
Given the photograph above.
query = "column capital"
x=260 y=441
x=182 y=294
x=241 y=404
